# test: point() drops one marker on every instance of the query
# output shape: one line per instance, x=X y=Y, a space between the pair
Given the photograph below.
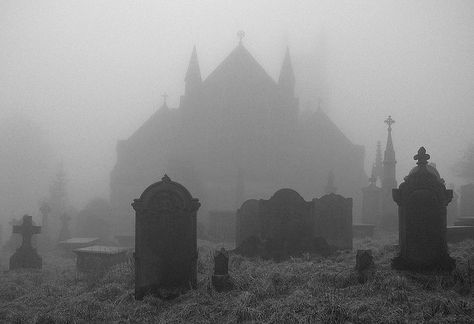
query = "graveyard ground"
x=308 y=289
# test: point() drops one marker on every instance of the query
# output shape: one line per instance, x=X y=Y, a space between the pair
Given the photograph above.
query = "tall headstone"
x=247 y=222
x=165 y=240
x=26 y=256
x=64 y=233
x=333 y=220
x=422 y=199
x=371 y=201
x=221 y=279
x=287 y=222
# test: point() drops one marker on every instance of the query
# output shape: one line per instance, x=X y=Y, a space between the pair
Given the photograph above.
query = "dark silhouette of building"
x=236 y=134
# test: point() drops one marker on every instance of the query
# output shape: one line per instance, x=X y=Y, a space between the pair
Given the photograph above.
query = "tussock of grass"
x=300 y=290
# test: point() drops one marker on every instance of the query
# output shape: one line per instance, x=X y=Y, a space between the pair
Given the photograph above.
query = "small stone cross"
x=422 y=157
x=27 y=229
x=389 y=121
x=165 y=96
x=240 y=35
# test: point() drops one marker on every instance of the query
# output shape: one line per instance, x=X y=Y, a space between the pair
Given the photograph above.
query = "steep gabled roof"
x=241 y=65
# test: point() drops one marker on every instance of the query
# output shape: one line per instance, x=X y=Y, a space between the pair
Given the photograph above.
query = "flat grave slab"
x=77 y=242
x=464 y=221
x=363 y=230
x=99 y=257
x=459 y=233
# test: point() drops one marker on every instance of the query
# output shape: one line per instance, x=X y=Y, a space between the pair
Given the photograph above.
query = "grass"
x=309 y=289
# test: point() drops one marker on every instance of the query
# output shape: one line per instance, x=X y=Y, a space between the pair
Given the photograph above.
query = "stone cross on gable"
x=165 y=96
x=389 y=121
x=240 y=35
x=27 y=229
x=422 y=157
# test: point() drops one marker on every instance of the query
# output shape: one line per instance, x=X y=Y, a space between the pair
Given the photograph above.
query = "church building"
x=237 y=134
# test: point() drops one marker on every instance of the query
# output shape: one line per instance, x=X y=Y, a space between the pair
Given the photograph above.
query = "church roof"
x=239 y=65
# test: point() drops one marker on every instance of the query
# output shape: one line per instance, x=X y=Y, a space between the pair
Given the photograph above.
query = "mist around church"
x=242 y=162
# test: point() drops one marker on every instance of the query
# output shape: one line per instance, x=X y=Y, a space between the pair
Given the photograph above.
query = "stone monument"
x=422 y=199
x=165 y=240
x=333 y=220
x=221 y=279
x=26 y=256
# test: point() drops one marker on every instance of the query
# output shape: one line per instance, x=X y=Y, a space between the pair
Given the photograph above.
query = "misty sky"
x=90 y=72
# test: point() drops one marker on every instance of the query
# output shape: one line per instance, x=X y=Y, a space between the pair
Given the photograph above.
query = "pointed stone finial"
x=165 y=96
x=389 y=121
x=240 y=35
x=166 y=178
x=422 y=157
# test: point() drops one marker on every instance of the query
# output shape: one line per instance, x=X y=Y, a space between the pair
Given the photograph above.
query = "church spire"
x=389 y=178
x=286 y=81
x=193 y=78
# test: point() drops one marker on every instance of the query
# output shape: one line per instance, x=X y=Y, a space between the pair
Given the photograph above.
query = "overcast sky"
x=91 y=72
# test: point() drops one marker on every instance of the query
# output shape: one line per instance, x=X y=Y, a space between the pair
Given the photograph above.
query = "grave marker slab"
x=247 y=222
x=77 y=242
x=26 y=256
x=422 y=200
x=98 y=258
x=333 y=220
x=221 y=279
x=165 y=240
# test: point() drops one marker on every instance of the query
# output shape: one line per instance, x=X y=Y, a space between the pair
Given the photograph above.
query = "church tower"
x=389 y=182
x=193 y=80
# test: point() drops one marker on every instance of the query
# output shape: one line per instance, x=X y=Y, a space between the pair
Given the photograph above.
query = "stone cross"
x=27 y=229
x=389 y=121
x=240 y=35
x=165 y=96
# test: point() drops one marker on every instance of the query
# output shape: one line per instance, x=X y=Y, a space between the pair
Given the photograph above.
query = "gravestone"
x=69 y=245
x=165 y=240
x=422 y=200
x=247 y=222
x=221 y=279
x=364 y=265
x=222 y=225
x=26 y=256
x=287 y=223
x=333 y=220
x=466 y=207
x=371 y=202
x=98 y=258
x=64 y=233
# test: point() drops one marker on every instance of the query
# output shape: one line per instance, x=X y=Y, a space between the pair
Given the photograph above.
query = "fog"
x=88 y=73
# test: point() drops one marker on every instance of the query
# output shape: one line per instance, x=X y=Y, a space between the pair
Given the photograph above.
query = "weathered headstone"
x=26 y=256
x=247 y=222
x=287 y=223
x=98 y=258
x=69 y=245
x=364 y=265
x=64 y=233
x=222 y=225
x=333 y=220
x=221 y=279
x=165 y=240
x=422 y=199
x=371 y=202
